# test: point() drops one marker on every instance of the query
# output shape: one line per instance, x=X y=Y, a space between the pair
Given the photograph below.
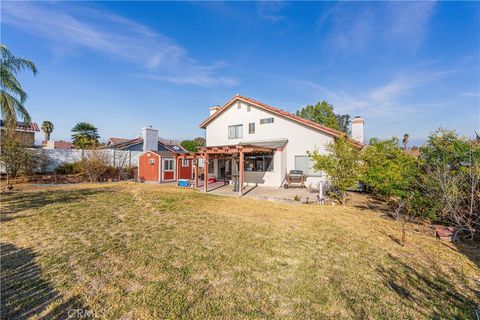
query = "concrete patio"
x=296 y=195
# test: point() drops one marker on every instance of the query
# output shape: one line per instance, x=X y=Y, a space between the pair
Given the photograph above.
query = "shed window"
x=235 y=131
x=168 y=165
x=151 y=161
x=266 y=120
x=184 y=162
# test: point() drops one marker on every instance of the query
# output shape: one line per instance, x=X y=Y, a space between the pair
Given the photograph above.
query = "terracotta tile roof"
x=32 y=126
x=413 y=152
x=279 y=112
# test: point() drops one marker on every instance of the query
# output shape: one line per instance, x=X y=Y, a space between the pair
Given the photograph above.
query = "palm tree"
x=47 y=128
x=85 y=135
x=12 y=95
x=406 y=136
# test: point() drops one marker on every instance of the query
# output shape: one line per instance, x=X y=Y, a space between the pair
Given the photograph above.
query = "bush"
x=95 y=165
x=342 y=165
x=17 y=160
x=389 y=171
x=68 y=168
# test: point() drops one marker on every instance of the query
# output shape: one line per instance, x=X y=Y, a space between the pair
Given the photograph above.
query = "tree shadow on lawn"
x=429 y=290
x=24 y=293
x=22 y=200
x=472 y=251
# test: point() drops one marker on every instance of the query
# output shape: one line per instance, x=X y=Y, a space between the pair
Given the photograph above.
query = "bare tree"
x=94 y=165
x=458 y=190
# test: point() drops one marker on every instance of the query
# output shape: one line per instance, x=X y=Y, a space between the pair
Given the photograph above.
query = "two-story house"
x=268 y=141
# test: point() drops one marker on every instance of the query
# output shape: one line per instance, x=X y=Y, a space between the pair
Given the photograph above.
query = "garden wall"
x=55 y=157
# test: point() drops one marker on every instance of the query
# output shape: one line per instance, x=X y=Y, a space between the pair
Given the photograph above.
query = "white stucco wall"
x=54 y=157
x=300 y=138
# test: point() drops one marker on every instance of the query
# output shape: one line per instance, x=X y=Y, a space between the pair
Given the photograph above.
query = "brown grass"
x=132 y=251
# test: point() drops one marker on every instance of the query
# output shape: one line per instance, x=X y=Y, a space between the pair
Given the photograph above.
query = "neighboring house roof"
x=413 y=152
x=277 y=111
x=21 y=126
x=163 y=145
x=114 y=140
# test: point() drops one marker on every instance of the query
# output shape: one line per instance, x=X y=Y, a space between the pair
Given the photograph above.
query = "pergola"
x=208 y=153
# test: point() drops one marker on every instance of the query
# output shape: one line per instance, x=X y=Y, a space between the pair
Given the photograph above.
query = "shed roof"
x=162 y=153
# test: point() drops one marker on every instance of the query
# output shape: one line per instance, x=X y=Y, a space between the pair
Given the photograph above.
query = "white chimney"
x=358 y=130
x=150 y=138
x=213 y=109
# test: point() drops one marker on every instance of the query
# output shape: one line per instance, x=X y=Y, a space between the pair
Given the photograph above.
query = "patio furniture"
x=295 y=178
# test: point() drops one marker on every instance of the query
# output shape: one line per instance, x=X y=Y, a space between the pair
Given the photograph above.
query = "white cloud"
x=354 y=27
x=407 y=22
x=68 y=27
x=387 y=101
x=270 y=10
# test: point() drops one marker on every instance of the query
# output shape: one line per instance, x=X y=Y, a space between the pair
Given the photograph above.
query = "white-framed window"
x=266 y=120
x=151 y=161
x=184 y=162
x=168 y=165
x=251 y=128
x=235 y=131
x=305 y=163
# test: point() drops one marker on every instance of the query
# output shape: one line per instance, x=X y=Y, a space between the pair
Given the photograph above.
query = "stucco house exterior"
x=271 y=142
x=25 y=132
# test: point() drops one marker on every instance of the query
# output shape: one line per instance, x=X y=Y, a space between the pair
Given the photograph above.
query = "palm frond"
x=10 y=83
x=11 y=107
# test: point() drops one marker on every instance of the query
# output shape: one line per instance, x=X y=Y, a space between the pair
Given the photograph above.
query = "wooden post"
x=205 y=172
x=195 y=170
x=240 y=175
x=177 y=169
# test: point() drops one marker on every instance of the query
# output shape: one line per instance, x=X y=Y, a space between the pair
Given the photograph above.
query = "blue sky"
x=405 y=67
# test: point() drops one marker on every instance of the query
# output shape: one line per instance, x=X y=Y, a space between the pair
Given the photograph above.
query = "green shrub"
x=68 y=168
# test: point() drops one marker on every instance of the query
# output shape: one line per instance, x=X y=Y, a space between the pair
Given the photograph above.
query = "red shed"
x=163 y=166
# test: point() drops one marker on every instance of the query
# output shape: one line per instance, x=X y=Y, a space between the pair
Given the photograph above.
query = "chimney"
x=213 y=109
x=150 y=138
x=358 y=129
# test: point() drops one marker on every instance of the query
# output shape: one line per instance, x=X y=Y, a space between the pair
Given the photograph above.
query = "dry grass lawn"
x=131 y=251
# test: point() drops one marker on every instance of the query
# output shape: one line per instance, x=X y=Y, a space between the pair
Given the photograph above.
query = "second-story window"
x=235 y=132
x=266 y=120
x=251 y=128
